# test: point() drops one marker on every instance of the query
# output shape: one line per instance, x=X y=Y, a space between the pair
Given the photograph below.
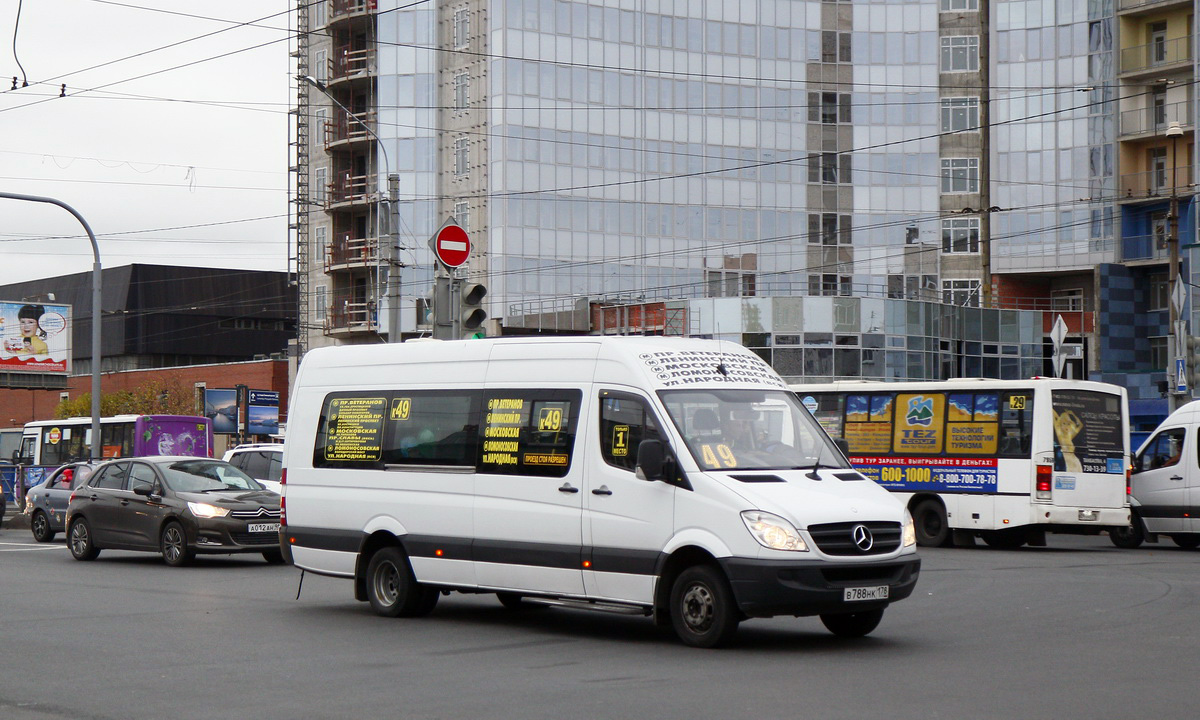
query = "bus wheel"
x=852 y=625
x=392 y=589
x=933 y=529
x=703 y=611
x=1187 y=542
x=1128 y=537
x=1004 y=539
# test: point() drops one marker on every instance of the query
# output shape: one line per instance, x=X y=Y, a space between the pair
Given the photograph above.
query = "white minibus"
x=1166 y=484
x=1004 y=460
x=673 y=478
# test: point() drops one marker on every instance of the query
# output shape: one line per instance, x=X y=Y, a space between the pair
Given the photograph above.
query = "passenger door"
x=143 y=514
x=1158 y=482
x=627 y=521
x=1191 y=479
x=529 y=493
x=101 y=503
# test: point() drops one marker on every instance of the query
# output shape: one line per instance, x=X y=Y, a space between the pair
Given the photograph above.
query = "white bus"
x=55 y=442
x=1003 y=460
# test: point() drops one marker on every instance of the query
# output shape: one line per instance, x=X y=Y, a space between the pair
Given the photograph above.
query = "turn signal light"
x=1044 y=476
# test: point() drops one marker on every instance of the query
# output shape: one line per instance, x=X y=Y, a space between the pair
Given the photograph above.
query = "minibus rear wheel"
x=392 y=588
x=703 y=611
x=1187 y=542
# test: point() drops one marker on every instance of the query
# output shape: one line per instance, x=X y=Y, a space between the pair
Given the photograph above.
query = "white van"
x=1165 y=485
x=672 y=478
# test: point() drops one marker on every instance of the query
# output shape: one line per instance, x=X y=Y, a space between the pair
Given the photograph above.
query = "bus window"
x=1016 y=424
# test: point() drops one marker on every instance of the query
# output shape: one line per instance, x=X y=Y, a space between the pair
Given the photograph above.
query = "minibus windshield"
x=750 y=430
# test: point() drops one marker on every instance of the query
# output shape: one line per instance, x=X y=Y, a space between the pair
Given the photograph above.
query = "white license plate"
x=865 y=593
x=274 y=527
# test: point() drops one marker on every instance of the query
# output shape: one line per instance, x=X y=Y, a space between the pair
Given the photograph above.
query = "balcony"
x=349 y=189
x=1145 y=247
x=1160 y=56
x=349 y=129
x=346 y=317
x=349 y=8
x=1155 y=120
x=1156 y=184
x=1146 y=7
x=349 y=63
x=350 y=252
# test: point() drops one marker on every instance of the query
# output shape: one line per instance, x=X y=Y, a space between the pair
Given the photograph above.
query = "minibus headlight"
x=910 y=530
x=772 y=531
x=204 y=510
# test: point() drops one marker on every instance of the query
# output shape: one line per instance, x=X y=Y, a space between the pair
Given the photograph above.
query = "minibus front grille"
x=844 y=538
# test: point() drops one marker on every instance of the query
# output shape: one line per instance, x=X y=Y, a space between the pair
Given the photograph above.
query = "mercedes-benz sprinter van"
x=673 y=478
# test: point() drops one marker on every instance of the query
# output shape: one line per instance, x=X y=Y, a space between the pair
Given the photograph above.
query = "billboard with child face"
x=35 y=337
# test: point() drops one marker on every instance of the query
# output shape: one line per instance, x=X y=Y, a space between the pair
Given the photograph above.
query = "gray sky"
x=170 y=168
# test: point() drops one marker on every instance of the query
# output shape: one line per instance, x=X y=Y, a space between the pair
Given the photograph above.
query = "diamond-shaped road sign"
x=1058 y=333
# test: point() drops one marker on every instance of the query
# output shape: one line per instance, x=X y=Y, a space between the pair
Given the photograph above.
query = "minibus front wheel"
x=393 y=590
x=703 y=611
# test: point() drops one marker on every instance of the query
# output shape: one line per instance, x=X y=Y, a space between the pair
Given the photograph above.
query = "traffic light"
x=471 y=313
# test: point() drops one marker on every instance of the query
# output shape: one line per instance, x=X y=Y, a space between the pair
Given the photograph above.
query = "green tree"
x=157 y=397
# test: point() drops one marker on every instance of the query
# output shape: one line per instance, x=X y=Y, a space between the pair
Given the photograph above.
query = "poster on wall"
x=220 y=406
x=264 y=412
x=34 y=337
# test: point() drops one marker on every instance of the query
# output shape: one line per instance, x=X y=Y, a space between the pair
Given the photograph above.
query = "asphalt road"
x=1076 y=630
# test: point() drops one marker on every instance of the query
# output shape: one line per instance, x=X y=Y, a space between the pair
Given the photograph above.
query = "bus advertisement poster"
x=1088 y=432
x=940 y=474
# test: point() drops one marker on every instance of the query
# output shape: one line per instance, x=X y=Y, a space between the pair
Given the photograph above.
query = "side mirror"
x=651 y=460
x=144 y=490
x=842 y=445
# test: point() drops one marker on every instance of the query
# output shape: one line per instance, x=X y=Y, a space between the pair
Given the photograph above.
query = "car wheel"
x=40 y=525
x=1187 y=542
x=852 y=625
x=173 y=543
x=933 y=529
x=1128 y=537
x=392 y=589
x=1004 y=539
x=79 y=537
x=273 y=557
x=703 y=611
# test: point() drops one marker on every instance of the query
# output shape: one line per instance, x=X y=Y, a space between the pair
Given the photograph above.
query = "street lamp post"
x=393 y=186
x=95 y=444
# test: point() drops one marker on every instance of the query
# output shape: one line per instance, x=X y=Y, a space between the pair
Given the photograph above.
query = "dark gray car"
x=46 y=504
x=177 y=506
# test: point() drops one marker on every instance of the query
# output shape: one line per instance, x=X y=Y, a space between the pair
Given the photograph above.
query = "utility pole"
x=1178 y=339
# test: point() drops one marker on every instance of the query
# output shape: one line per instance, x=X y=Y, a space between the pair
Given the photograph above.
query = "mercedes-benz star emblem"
x=861 y=535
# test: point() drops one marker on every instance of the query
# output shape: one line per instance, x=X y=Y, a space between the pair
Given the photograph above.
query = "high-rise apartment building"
x=984 y=165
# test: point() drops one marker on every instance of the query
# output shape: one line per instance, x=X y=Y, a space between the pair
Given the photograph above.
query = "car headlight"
x=204 y=510
x=772 y=531
x=910 y=530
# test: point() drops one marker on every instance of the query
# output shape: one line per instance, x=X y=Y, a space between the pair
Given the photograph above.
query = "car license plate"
x=865 y=593
x=272 y=527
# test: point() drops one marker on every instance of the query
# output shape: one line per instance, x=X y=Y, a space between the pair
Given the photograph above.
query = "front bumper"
x=231 y=535
x=764 y=588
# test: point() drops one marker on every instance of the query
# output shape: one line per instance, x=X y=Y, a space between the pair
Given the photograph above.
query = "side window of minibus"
x=528 y=432
x=624 y=424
